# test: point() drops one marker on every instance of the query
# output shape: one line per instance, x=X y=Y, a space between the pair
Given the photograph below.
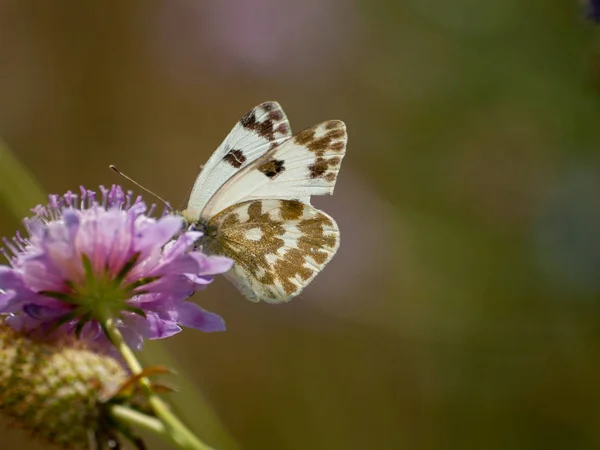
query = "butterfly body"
x=252 y=202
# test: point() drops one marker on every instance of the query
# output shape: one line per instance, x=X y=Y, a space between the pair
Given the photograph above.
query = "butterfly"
x=251 y=200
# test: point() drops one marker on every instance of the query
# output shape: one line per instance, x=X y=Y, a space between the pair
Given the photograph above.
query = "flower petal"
x=175 y=286
x=40 y=275
x=10 y=278
x=133 y=339
x=5 y=299
x=192 y=316
x=182 y=264
x=153 y=326
x=155 y=234
x=212 y=265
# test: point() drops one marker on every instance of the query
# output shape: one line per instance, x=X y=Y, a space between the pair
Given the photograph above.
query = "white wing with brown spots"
x=304 y=165
x=278 y=246
x=261 y=129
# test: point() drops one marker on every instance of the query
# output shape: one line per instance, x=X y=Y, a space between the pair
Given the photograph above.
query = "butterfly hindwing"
x=261 y=129
x=303 y=165
x=278 y=246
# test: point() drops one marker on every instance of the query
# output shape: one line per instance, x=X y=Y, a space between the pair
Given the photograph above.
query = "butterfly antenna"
x=114 y=168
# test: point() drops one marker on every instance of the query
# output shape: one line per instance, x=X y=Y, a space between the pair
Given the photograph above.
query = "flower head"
x=87 y=261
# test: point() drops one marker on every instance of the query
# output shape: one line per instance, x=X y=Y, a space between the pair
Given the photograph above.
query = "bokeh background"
x=462 y=310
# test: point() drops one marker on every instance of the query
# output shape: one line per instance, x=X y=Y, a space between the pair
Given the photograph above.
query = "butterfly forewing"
x=303 y=165
x=278 y=246
x=261 y=129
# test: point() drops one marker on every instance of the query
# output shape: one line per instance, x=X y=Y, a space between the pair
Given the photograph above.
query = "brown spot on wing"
x=248 y=120
x=283 y=128
x=276 y=115
x=272 y=168
x=313 y=239
x=320 y=145
x=318 y=168
x=291 y=209
x=265 y=128
x=235 y=157
x=336 y=134
x=255 y=211
x=321 y=166
x=338 y=146
x=290 y=265
x=306 y=136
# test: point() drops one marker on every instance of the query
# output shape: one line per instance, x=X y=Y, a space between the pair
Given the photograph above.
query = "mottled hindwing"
x=278 y=246
x=304 y=165
x=259 y=130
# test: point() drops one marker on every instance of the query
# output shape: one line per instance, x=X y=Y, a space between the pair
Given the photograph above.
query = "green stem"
x=174 y=429
x=140 y=420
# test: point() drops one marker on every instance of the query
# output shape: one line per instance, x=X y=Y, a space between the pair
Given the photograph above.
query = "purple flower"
x=86 y=261
x=593 y=9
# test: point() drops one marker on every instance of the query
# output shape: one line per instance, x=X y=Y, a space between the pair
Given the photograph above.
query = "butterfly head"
x=191 y=216
x=209 y=234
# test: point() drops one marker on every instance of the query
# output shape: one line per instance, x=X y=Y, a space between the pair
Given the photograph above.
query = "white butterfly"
x=252 y=200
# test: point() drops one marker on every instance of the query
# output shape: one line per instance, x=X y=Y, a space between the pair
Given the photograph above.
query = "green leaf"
x=18 y=187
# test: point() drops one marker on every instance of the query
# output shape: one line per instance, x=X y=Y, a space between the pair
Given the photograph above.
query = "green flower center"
x=101 y=296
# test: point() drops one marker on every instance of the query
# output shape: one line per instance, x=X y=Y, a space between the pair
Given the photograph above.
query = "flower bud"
x=55 y=391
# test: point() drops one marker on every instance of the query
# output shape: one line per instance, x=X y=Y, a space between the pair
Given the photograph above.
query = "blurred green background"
x=462 y=310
